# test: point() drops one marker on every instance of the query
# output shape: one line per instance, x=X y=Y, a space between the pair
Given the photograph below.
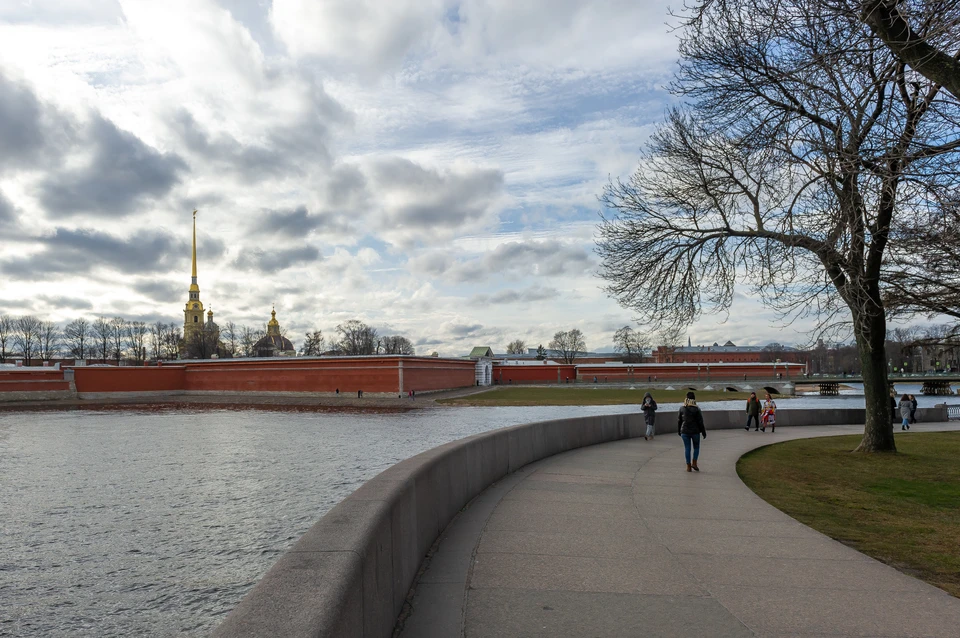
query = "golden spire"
x=193 y=279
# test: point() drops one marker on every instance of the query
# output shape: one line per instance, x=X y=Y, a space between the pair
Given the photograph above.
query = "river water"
x=155 y=522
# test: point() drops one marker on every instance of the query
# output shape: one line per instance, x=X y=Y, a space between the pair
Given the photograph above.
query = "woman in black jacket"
x=690 y=428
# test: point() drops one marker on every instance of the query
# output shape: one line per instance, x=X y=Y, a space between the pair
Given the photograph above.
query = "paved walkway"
x=618 y=540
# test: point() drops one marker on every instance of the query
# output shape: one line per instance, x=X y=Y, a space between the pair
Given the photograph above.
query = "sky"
x=430 y=167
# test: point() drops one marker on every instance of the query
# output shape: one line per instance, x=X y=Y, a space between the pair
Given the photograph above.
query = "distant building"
x=730 y=353
x=274 y=344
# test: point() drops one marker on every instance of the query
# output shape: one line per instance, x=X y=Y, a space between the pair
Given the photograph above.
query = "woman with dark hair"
x=913 y=409
x=905 y=406
x=690 y=428
x=649 y=407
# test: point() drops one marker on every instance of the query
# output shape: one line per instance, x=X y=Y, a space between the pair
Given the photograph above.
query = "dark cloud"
x=121 y=174
x=533 y=293
x=464 y=330
x=271 y=261
x=29 y=131
x=346 y=187
x=76 y=252
x=7 y=213
x=299 y=223
x=158 y=290
x=548 y=258
x=431 y=199
x=73 y=303
x=288 y=149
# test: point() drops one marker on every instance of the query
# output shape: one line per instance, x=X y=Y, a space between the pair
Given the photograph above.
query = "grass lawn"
x=579 y=395
x=902 y=509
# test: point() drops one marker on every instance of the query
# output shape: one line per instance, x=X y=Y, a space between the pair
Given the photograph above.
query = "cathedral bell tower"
x=193 y=312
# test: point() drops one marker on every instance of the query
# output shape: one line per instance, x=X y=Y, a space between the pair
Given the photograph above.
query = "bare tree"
x=26 y=337
x=517 y=346
x=569 y=343
x=118 y=332
x=231 y=338
x=314 y=344
x=49 y=341
x=918 y=32
x=136 y=335
x=397 y=345
x=802 y=143
x=356 y=338
x=101 y=335
x=249 y=338
x=6 y=335
x=630 y=342
x=172 y=341
x=76 y=335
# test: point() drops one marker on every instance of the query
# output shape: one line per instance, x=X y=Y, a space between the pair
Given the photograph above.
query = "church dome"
x=274 y=344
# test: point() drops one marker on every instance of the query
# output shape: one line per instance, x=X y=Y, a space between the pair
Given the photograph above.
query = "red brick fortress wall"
x=513 y=374
x=32 y=380
x=167 y=378
x=689 y=372
x=424 y=374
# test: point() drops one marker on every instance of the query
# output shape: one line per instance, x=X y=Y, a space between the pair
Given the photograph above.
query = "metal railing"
x=953 y=412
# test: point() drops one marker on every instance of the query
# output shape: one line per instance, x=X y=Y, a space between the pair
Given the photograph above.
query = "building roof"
x=729 y=347
x=481 y=351
x=275 y=341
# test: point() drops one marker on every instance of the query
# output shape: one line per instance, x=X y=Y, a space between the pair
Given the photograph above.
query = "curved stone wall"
x=350 y=573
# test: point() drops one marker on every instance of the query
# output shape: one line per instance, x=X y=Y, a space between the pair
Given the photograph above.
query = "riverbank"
x=580 y=395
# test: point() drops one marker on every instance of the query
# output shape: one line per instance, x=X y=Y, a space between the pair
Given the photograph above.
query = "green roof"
x=481 y=351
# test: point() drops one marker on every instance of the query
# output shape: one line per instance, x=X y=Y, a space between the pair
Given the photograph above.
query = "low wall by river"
x=349 y=575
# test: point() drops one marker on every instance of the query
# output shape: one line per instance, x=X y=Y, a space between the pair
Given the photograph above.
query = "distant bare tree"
x=249 y=338
x=630 y=342
x=101 y=334
x=76 y=335
x=356 y=338
x=397 y=345
x=118 y=332
x=569 y=343
x=230 y=337
x=136 y=335
x=801 y=142
x=314 y=344
x=172 y=340
x=517 y=346
x=6 y=335
x=49 y=341
x=26 y=337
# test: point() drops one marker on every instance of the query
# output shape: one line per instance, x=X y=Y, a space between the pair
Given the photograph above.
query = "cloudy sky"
x=428 y=166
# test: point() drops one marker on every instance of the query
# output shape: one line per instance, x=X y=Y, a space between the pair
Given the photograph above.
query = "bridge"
x=932 y=384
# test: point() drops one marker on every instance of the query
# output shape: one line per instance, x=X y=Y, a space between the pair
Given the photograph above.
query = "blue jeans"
x=687 y=440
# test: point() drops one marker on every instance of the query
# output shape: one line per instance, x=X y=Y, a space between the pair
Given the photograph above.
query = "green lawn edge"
x=902 y=509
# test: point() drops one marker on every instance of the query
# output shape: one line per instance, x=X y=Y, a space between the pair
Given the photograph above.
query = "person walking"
x=913 y=409
x=649 y=408
x=690 y=428
x=753 y=412
x=768 y=415
x=905 y=406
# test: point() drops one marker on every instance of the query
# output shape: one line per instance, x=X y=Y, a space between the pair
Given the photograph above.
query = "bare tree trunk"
x=870 y=329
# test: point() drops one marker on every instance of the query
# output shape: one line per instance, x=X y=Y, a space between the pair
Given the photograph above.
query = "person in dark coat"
x=649 y=408
x=690 y=428
x=894 y=409
x=913 y=410
x=753 y=412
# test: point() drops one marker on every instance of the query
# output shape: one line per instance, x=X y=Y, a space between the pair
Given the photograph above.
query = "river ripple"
x=155 y=522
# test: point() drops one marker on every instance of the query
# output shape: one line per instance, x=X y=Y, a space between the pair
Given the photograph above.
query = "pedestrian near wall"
x=768 y=416
x=894 y=410
x=905 y=406
x=753 y=412
x=913 y=409
x=649 y=408
x=690 y=428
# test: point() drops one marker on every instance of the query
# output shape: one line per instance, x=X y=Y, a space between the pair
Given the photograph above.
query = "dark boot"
x=694 y=465
x=688 y=467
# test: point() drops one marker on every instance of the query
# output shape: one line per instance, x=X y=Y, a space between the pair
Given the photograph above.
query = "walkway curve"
x=618 y=540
